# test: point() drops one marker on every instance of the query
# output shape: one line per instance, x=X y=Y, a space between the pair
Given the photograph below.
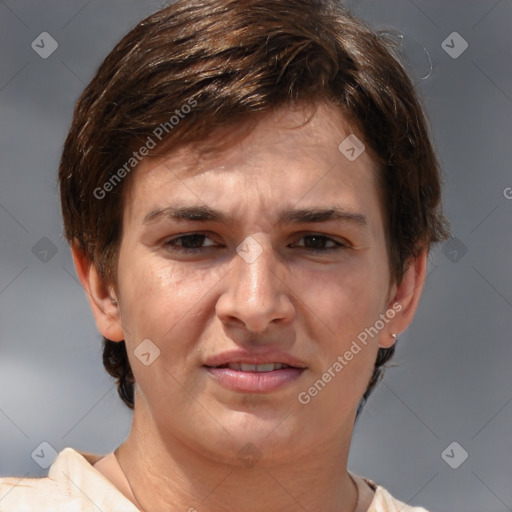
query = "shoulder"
x=72 y=485
x=383 y=501
x=29 y=494
x=375 y=498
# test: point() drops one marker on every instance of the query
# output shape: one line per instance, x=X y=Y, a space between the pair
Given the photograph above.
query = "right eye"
x=192 y=242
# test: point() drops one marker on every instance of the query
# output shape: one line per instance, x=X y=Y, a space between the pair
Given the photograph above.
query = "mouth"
x=243 y=377
x=247 y=367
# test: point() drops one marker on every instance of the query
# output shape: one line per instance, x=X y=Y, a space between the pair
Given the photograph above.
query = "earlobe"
x=101 y=296
x=404 y=299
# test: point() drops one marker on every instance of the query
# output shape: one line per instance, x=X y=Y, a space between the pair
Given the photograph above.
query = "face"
x=253 y=272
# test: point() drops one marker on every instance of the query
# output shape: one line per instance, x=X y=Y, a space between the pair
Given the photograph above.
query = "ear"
x=102 y=297
x=404 y=299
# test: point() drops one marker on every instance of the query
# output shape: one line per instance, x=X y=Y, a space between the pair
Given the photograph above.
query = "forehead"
x=288 y=156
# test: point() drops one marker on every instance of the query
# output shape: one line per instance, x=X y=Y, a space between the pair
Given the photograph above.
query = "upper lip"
x=245 y=357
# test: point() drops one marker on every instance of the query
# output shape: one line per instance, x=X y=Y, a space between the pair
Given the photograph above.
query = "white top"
x=76 y=482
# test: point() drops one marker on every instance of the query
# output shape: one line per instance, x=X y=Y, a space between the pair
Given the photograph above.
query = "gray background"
x=453 y=382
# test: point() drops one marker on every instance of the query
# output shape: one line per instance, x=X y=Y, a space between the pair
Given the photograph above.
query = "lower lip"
x=255 y=382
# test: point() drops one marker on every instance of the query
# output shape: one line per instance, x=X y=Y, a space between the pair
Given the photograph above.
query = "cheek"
x=159 y=298
x=345 y=299
x=343 y=307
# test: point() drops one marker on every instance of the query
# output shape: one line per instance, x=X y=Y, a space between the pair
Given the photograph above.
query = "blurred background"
x=437 y=430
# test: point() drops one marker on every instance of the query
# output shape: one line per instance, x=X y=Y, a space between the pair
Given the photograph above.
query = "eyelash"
x=175 y=247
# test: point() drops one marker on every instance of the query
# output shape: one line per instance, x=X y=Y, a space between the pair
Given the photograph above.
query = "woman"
x=250 y=194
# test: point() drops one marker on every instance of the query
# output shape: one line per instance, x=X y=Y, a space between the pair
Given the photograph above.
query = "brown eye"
x=315 y=242
x=191 y=241
x=319 y=243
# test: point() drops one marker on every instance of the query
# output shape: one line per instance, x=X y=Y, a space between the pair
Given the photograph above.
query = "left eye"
x=319 y=243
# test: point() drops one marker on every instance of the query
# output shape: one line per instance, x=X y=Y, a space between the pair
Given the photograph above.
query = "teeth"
x=267 y=367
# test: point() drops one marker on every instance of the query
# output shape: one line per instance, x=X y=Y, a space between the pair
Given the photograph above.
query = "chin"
x=241 y=437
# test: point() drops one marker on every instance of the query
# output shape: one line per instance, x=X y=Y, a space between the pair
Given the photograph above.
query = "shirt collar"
x=76 y=476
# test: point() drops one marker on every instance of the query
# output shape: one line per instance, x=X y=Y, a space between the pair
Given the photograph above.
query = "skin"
x=188 y=430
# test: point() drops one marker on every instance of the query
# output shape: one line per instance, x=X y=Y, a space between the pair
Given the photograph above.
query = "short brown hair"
x=230 y=61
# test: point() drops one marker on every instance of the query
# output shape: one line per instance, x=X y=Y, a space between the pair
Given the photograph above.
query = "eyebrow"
x=335 y=213
x=196 y=213
x=292 y=216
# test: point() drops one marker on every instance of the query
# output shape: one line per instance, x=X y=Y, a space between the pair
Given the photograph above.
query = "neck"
x=172 y=474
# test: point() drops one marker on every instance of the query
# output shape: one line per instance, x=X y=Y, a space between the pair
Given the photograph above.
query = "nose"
x=256 y=295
